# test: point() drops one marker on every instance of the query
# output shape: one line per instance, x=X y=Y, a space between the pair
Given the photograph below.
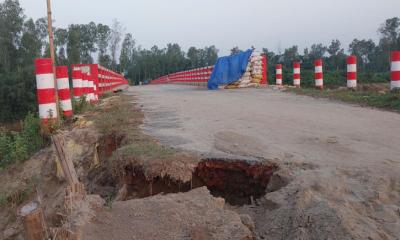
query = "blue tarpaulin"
x=229 y=69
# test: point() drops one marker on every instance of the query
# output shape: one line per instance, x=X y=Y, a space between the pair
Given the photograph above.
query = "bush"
x=19 y=146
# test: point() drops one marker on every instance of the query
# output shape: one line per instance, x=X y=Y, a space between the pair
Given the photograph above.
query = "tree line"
x=373 y=58
x=23 y=39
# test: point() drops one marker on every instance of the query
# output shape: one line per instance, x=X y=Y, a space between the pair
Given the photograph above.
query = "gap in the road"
x=238 y=182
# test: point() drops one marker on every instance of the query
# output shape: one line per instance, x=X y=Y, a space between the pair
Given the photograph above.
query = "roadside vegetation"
x=16 y=147
x=364 y=97
x=120 y=121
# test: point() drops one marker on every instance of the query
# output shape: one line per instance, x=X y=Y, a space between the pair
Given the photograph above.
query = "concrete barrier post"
x=319 y=75
x=395 y=71
x=296 y=74
x=63 y=90
x=352 y=72
x=77 y=82
x=279 y=74
x=45 y=89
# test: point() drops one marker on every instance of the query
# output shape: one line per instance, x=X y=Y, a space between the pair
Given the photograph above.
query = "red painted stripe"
x=43 y=66
x=68 y=113
x=351 y=76
x=279 y=66
x=352 y=60
x=296 y=65
x=319 y=75
x=279 y=76
x=61 y=72
x=296 y=76
x=395 y=76
x=45 y=96
x=77 y=92
x=76 y=74
x=396 y=56
x=318 y=62
x=64 y=94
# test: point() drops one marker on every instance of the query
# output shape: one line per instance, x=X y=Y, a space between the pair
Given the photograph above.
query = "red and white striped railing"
x=89 y=80
x=198 y=76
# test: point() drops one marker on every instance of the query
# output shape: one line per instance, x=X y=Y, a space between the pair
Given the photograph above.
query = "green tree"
x=128 y=46
x=103 y=38
x=73 y=44
x=88 y=36
x=60 y=42
x=115 y=40
x=235 y=50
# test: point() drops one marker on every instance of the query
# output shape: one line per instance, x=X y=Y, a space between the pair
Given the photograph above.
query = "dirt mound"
x=192 y=215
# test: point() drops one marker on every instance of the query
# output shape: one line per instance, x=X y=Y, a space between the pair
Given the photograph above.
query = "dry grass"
x=120 y=119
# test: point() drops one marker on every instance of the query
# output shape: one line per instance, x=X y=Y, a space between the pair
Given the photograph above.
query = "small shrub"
x=19 y=146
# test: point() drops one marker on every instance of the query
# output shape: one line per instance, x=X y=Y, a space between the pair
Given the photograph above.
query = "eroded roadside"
x=150 y=191
x=337 y=177
x=156 y=192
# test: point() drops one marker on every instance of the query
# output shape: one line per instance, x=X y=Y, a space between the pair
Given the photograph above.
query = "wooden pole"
x=32 y=215
x=52 y=55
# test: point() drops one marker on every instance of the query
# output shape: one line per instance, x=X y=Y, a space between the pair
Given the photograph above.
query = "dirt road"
x=341 y=162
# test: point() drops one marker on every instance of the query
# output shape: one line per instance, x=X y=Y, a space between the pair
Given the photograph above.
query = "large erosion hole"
x=238 y=182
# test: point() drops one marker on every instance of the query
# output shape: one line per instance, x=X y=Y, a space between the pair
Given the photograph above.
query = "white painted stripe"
x=85 y=83
x=62 y=83
x=278 y=71
x=296 y=82
x=77 y=83
x=90 y=84
x=319 y=82
x=91 y=96
x=45 y=81
x=351 y=67
x=278 y=81
x=395 y=84
x=296 y=70
x=46 y=109
x=395 y=66
x=66 y=105
x=318 y=69
x=351 y=83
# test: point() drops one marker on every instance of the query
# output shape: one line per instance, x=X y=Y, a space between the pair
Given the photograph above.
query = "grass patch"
x=19 y=196
x=19 y=146
x=146 y=149
x=120 y=120
x=383 y=100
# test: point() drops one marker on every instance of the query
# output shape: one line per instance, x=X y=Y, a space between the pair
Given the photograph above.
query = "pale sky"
x=275 y=24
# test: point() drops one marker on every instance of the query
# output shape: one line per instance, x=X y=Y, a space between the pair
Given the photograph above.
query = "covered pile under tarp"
x=229 y=69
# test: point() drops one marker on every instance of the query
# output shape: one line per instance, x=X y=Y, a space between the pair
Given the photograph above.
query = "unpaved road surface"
x=341 y=162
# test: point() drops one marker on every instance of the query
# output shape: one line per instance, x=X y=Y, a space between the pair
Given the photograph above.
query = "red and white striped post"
x=395 y=71
x=77 y=82
x=63 y=90
x=279 y=74
x=91 y=95
x=319 y=74
x=296 y=74
x=352 y=72
x=85 y=86
x=46 y=91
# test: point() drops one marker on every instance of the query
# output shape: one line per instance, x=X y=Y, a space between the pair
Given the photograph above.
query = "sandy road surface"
x=342 y=162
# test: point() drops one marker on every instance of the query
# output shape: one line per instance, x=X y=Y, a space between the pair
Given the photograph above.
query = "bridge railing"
x=197 y=77
x=88 y=80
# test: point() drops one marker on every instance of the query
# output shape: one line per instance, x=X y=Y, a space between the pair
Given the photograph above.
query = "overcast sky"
x=275 y=24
